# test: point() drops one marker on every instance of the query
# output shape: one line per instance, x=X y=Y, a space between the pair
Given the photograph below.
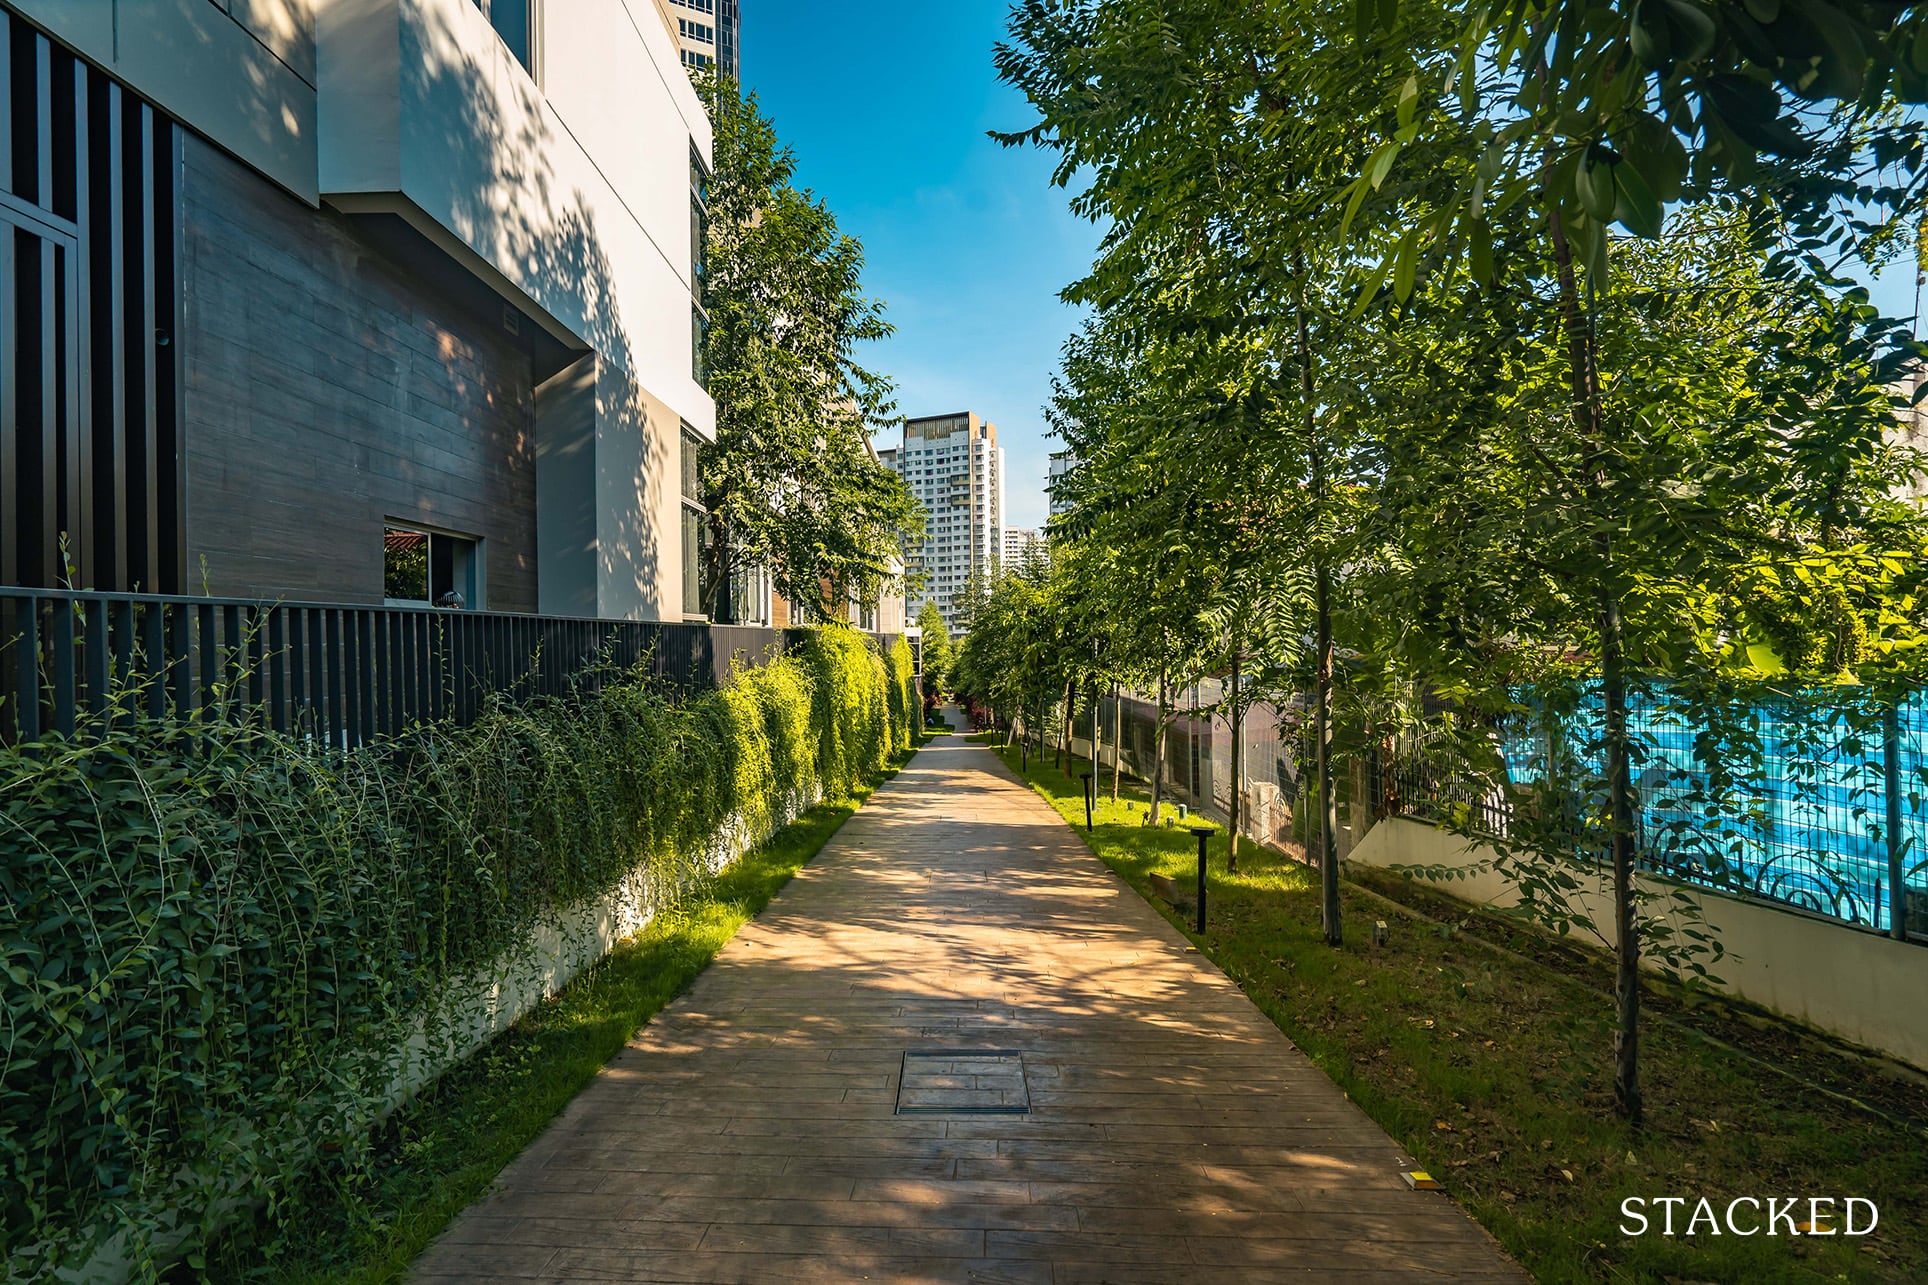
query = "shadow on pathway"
x=956 y=1048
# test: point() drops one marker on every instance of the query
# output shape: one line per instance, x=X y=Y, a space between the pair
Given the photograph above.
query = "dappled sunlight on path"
x=957 y=1048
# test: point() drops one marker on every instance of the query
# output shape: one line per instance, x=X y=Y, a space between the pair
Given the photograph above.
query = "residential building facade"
x=351 y=301
x=954 y=466
x=709 y=33
x=1020 y=545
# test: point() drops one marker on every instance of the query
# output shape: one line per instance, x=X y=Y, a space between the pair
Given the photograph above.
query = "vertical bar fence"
x=339 y=674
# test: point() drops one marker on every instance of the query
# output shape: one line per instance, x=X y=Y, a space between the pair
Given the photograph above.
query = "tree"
x=1002 y=663
x=790 y=481
x=1518 y=144
x=1359 y=312
x=938 y=653
x=1209 y=136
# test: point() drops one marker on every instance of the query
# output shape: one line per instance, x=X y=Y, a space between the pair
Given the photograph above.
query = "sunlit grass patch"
x=1484 y=1050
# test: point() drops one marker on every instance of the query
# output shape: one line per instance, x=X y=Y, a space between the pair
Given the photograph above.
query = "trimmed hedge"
x=218 y=941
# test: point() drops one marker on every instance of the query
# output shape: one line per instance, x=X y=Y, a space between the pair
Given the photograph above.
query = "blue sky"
x=886 y=106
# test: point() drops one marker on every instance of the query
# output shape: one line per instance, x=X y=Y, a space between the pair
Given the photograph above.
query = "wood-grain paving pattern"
x=749 y=1133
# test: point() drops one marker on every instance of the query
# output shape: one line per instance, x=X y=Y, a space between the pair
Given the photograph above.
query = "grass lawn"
x=366 y=1222
x=1483 y=1048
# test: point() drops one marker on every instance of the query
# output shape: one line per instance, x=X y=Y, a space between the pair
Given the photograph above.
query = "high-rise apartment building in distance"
x=1020 y=545
x=955 y=468
x=1061 y=464
x=709 y=32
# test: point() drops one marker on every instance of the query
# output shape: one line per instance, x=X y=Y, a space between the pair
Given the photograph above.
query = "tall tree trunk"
x=1322 y=643
x=1192 y=749
x=1584 y=383
x=1626 y=1035
x=1117 y=738
x=715 y=600
x=1158 y=747
x=1238 y=765
x=1322 y=734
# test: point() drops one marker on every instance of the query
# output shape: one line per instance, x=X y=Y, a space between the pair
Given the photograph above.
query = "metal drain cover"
x=962 y=1082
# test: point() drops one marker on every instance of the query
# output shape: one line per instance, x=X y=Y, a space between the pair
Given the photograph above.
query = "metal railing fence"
x=1811 y=806
x=343 y=674
x=1198 y=757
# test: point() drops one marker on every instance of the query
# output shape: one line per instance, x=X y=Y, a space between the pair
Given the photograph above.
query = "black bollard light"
x=1204 y=833
x=1087 y=789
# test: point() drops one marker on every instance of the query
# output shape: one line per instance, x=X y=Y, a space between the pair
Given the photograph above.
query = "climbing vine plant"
x=225 y=948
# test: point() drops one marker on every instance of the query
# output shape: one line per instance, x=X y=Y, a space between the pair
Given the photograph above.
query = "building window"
x=697 y=6
x=517 y=22
x=696 y=527
x=695 y=538
x=699 y=241
x=699 y=327
x=699 y=222
x=691 y=471
x=693 y=59
x=696 y=31
x=429 y=568
x=750 y=597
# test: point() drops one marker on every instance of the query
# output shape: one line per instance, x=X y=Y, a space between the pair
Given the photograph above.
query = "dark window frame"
x=699 y=182
x=450 y=560
x=693 y=526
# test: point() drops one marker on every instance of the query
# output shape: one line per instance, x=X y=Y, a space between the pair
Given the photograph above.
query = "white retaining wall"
x=1851 y=982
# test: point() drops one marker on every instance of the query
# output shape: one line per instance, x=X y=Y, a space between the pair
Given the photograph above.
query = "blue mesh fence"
x=1784 y=798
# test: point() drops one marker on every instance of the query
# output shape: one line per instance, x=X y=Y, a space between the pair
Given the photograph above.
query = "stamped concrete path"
x=956 y=1048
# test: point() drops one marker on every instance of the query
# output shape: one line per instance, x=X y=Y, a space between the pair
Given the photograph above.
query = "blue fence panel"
x=1802 y=820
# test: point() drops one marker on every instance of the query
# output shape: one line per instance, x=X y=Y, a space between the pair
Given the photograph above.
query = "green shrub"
x=218 y=941
x=906 y=711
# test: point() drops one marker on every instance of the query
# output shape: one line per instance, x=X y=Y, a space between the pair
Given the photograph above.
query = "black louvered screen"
x=90 y=410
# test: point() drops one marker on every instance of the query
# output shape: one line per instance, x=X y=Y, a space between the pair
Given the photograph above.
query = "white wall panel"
x=587 y=212
x=572 y=196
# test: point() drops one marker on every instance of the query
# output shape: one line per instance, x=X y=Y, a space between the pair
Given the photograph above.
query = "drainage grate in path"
x=962 y=1082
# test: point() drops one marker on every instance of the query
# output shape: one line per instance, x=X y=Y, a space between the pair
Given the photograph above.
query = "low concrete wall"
x=1850 y=982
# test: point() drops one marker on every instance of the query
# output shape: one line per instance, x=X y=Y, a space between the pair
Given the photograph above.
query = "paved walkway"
x=956 y=1048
